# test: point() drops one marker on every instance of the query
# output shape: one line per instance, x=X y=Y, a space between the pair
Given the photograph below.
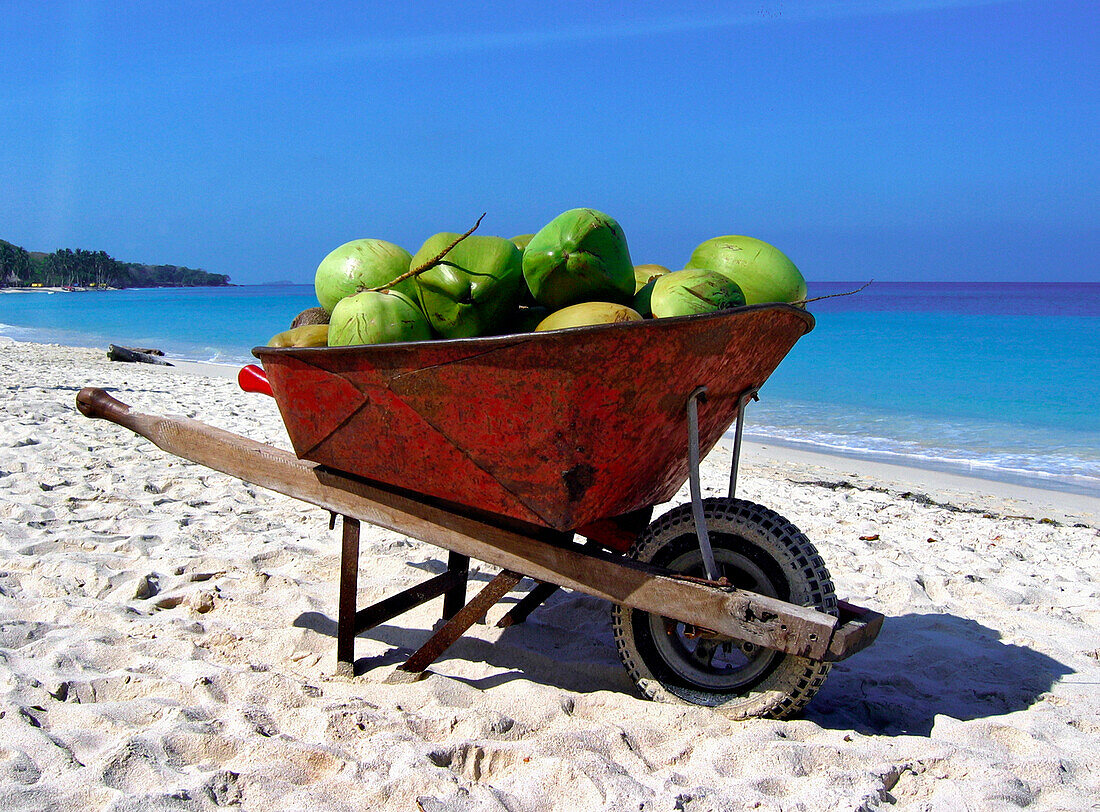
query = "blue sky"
x=900 y=140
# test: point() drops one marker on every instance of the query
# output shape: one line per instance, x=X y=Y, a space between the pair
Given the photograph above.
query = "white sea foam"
x=1042 y=468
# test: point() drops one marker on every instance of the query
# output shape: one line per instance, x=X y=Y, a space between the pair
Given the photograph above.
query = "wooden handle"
x=94 y=402
x=794 y=629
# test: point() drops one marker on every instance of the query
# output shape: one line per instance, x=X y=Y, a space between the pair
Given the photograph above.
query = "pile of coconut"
x=575 y=271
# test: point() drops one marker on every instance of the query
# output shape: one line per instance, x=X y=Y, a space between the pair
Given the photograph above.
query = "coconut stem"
x=431 y=263
x=834 y=295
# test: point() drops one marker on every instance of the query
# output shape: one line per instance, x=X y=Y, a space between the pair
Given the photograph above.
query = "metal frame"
x=547 y=556
x=350 y=623
x=742 y=402
x=694 y=485
x=458 y=614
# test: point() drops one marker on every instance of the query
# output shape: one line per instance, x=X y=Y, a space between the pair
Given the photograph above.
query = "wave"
x=1041 y=468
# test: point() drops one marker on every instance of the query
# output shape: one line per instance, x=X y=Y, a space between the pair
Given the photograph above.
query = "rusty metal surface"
x=388 y=608
x=528 y=604
x=466 y=617
x=455 y=598
x=560 y=428
x=349 y=580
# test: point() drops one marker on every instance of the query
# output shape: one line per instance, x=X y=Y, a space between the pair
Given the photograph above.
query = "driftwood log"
x=136 y=355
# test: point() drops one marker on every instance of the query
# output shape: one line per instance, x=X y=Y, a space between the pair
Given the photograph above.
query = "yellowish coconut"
x=307 y=335
x=644 y=274
x=588 y=313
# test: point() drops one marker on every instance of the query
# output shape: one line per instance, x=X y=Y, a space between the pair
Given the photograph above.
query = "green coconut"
x=377 y=317
x=764 y=273
x=521 y=241
x=643 y=298
x=694 y=290
x=580 y=255
x=475 y=287
x=588 y=313
x=360 y=264
x=644 y=274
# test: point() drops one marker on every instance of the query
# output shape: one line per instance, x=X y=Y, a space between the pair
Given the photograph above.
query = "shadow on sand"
x=925 y=665
x=921 y=666
x=567 y=643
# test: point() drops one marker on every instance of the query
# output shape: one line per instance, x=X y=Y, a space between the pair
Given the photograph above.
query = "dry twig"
x=834 y=295
x=431 y=263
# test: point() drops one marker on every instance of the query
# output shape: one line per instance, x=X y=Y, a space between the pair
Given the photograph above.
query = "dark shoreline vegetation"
x=93 y=269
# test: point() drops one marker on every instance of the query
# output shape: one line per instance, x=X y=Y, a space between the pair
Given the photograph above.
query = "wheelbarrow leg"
x=349 y=578
x=455 y=597
x=528 y=604
x=449 y=632
x=451 y=584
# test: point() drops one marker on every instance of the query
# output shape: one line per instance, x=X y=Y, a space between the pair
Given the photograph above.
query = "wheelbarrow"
x=544 y=454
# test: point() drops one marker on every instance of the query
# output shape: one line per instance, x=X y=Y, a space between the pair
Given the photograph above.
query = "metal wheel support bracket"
x=742 y=401
x=700 y=393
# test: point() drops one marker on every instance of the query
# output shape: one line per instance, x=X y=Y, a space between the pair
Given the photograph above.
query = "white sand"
x=166 y=642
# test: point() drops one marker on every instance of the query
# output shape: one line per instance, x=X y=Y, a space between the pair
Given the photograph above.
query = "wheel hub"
x=704 y=657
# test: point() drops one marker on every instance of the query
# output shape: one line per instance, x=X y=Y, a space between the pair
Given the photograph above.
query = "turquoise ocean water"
x=994 y=380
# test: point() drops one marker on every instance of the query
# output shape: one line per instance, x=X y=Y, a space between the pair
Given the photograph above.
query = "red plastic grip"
x=253 y=379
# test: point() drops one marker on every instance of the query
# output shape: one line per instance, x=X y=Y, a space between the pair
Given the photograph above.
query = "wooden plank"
x=857 y=629
x=739 y=614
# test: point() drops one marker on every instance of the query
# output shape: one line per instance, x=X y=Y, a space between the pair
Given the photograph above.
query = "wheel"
x=755 y=549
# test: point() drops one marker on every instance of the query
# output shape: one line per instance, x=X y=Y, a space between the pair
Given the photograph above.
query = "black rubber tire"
x=756 y=549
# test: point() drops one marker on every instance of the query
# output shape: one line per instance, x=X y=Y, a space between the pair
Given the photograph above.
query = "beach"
x=167 y=641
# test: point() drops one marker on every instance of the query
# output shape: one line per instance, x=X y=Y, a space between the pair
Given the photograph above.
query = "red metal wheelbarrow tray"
x=558 y=428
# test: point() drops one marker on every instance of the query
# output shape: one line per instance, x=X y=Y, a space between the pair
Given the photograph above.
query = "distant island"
x=66 y=268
